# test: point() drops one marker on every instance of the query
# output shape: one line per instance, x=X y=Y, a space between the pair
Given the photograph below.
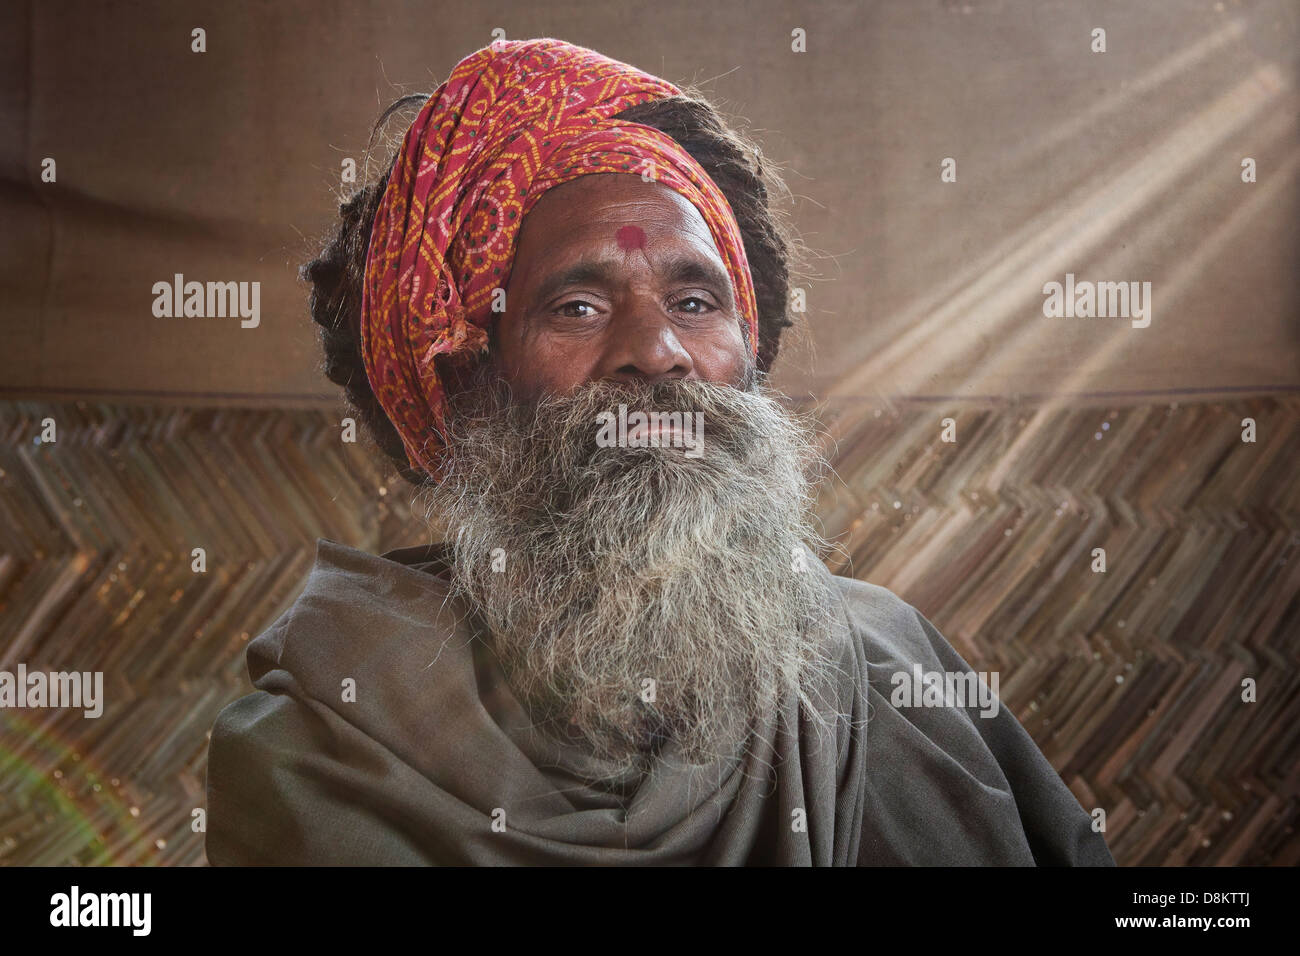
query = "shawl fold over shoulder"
x=382 y=733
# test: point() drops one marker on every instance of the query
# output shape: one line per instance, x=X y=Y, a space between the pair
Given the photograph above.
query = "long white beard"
x=638 y=594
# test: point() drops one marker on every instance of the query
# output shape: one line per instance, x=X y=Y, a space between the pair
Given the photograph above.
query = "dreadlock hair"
x=735 y=163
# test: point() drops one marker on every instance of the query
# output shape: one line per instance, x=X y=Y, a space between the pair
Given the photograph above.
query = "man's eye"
x=577 y=304
x=707 y=307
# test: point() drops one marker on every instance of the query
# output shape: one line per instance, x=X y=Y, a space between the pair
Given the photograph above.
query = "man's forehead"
x=601 y=208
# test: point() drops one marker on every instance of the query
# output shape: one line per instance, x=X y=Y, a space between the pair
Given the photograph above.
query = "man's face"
x=617 y=279
x=596 y=568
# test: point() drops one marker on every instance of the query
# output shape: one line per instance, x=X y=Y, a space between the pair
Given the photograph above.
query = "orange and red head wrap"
x=513 y=120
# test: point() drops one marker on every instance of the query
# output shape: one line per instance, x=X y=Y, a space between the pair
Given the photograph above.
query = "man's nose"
x=643 y=344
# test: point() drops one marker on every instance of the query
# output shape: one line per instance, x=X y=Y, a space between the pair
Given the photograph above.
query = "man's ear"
x=454 y=372
x=461 y=372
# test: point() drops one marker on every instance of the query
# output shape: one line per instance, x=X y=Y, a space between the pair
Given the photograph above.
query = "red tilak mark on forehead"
x=631 y=237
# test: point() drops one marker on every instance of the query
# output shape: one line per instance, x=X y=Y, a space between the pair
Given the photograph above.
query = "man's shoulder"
x=872 y=601
x=351 y=595
x=434 y=558
x=419 y=564
x=360 y=640
x=889 y=627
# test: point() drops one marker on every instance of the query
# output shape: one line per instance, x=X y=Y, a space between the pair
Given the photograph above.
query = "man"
x=627 y=650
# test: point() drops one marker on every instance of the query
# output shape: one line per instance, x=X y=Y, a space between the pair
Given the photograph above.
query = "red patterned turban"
x=513 y=120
